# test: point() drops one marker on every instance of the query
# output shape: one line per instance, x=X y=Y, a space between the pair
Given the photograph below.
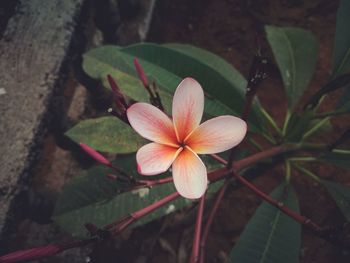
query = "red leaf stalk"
x=197 y=233
x=94 y=154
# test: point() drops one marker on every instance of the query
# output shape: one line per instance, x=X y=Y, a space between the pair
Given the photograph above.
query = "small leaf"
x=341 y=52
x=341 y=195
x=295 y=51
x=106 y=134
x=270 y=236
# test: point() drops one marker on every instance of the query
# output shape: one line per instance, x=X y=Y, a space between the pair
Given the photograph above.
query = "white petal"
x=190 y=175
x=151 y=123
x=188 y=105
x=155 y=158
x=217 y=135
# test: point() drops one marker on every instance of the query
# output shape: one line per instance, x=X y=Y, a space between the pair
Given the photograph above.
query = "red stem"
x=238 y=166
x=123 y=223
x=261 y=155
x=211 y=219
x=297 y=217
x=114 y=229
x=150 y=183
x=40 y=252
x=197 y=233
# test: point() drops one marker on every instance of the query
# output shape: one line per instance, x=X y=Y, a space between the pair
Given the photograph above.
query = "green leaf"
x=168 y=67
x=295 y=51
x=93 y=198
x=212 y=61
x=105 y=211
x=270 y=236
x=106 y=134
x=341 y=159
x=220 y=80
x=341 y=195
x=341 y=51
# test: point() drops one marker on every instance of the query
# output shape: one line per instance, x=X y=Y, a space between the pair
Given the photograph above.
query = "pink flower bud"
x=141 y=72
x=118 y=95
x=94 y=154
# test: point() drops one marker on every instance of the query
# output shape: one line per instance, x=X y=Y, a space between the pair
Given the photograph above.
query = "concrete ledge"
x=33 y=52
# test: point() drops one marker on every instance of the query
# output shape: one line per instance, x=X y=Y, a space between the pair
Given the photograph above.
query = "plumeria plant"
x=166 y=159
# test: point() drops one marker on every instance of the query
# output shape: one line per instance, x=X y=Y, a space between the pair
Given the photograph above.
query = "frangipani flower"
x=178 y=141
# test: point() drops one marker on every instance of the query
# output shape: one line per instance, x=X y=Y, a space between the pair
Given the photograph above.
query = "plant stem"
x=123 y=223
x=299 y=218
x=112 y=229
x=271 y=121
x=238 y=165
x=330 y=113
x=210 y=220
x=254 y=158
x=197 y=234
x=288 y=170
x=315 y=128
x=286 y=121
x=303 y=159
x=255 y=144
x=150 y=183
x=341 y=151
x=245 y=162
x=257 y=74
x=307 y=172
x=117 y=227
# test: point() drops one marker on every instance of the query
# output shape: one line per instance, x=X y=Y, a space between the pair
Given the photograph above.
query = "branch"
x=257 y=74
x=210 y=220
x=112 y=230
x=197 y=234
x=299 y=218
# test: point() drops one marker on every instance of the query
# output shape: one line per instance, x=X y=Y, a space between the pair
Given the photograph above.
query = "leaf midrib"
x=269 y=239
x=291 y=53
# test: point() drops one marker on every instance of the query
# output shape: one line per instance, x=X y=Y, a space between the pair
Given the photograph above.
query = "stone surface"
x=33 y=52
x=34 y=58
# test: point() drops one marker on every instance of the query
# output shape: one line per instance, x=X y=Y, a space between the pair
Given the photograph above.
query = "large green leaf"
x=341 y=195
x=110 y=210
x=270 y=236
x=220 y=80
x=106 y=134
x=341 y=51
x=94 y=198
x=295 y=51
x=211 y=61
x=169 y=66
